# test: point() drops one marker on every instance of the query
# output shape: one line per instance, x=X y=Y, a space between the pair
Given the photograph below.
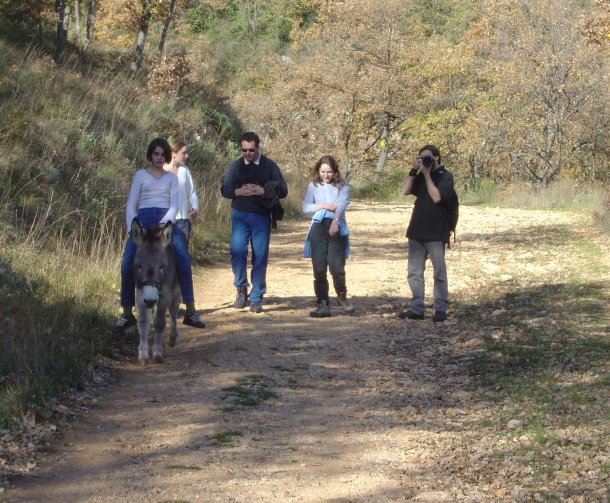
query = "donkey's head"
x=152 y=262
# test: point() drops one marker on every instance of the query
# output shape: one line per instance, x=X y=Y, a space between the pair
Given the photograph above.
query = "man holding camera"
x=428 y=230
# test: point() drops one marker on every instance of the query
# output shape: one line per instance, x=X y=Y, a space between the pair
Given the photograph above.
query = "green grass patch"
x=56 y=320
x=545 y=353
x=249 y=391
x=293 y=384
x=281 y=368
x=226 y=437
x=546 y=337
x=185 y=467
x=295 y=367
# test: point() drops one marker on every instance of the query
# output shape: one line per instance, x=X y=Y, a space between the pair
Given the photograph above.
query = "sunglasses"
x=248 y=150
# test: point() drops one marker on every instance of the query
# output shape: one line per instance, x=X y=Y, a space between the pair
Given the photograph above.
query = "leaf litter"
x=507 y=401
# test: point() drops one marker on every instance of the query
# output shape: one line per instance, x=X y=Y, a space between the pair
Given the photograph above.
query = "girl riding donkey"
x=153 y=199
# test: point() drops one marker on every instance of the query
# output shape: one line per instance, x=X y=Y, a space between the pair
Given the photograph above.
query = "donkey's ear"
x=167 y=233
x=137 y=232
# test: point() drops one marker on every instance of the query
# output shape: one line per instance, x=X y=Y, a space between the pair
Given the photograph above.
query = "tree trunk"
x=251 y=8
x=385 y=150
x=476 y=164
x=168 y=20
x=60 y=41
x=90 y=20
x=345 y=136
x=77 y=20
x=40 y=30
x=347 y=160
x=143 y=31
x=67 y=17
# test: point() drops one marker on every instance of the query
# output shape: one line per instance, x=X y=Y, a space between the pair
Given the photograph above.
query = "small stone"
x=451 y=413
x=434 y=497
x=501 y=493
x=514 y=424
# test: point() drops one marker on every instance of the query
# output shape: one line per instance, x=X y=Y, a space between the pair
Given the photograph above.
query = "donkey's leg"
x=159 y=329
x=173 y=316
x=143 y=328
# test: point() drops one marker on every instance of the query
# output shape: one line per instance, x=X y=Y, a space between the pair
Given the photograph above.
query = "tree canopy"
x=508 y=89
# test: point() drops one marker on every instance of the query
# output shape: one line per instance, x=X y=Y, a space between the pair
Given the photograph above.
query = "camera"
x=427 y=161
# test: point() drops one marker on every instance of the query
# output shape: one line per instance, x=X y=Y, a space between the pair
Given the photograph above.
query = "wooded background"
x=509 y=89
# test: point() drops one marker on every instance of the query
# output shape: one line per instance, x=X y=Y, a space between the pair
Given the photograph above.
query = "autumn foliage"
x=510 y=90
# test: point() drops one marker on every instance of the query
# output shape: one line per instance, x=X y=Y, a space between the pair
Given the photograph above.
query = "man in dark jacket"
x=428 y=230
x=244 y=183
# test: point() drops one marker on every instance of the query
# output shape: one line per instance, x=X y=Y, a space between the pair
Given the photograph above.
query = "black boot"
x=241 y=297
x=322 y=310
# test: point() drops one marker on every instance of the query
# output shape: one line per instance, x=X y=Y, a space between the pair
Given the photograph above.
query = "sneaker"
x=411 y=315
x=241 y=298
x=256 y=307
x=123 y=323
x=346 y=305
x=322 y=310
x=439 y=316
x=193 y=320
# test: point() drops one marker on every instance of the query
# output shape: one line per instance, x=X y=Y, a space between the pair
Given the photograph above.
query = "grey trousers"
x=419 y=251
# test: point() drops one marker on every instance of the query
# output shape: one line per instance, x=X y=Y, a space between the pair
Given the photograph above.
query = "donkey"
x=157 y=286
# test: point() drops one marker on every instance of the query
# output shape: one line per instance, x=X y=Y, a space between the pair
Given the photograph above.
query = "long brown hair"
x=336 y=179
x=176 y=145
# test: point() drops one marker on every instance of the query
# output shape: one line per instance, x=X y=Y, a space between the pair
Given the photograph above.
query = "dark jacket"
x=240 y=173
x=271 y=200
x=429 y=220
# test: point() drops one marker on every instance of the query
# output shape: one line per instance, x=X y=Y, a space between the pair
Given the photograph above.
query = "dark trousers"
x=327 y=252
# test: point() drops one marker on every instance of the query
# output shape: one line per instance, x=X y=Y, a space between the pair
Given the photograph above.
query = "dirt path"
x=364 y=408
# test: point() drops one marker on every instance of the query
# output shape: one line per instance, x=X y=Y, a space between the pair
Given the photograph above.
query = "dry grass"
x=74 y=136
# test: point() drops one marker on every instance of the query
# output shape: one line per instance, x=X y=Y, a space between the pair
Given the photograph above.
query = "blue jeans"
x=149 y=217
x=255 y=229
x=419 y=251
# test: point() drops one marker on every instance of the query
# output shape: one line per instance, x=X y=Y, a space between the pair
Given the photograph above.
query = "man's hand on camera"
x=426 y=170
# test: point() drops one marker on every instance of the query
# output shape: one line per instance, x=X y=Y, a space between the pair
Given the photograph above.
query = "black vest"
x=251 y=173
